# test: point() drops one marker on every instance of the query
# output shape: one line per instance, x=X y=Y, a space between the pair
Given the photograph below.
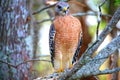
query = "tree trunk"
x=13 y=44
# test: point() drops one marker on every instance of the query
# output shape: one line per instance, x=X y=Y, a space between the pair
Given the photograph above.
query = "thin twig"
x=77 y=14
x=94 y=14
x=32 y=61
x=43 y=9
x=99 y=17
x=102 y=3
x=47 y=7
x=1 y=61
x=15 y=66
x=45 y=20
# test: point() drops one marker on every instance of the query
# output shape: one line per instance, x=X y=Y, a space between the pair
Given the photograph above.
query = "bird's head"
x=62 y=8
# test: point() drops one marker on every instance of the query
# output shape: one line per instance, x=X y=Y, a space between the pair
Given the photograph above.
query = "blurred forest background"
x=24 y=29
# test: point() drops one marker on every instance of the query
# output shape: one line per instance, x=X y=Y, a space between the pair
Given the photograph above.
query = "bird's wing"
x=51 y=43
x=75 y=57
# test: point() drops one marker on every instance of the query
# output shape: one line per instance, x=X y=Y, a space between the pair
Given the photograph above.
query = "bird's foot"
x=59 y=70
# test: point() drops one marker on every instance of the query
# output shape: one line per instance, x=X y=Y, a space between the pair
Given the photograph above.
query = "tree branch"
x=32 y=61
x=45 y=20
x=43 y=9
x=9 y=64
x=16 y=66
x=92 y=68
x=99 y=17
x=107 y=71
x=108 y=29
x=47 y=7
x=76 y=14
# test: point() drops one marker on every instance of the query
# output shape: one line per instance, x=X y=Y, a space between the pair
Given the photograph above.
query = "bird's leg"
x=58 y=69
x=65 y=61
x=70 y=61
x=61 y=67
x=70 y=64
x=58 y=63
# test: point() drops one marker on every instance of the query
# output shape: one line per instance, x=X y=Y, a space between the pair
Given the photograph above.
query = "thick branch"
x=98 y=72
x=92 y=68
x=107 y=71
x=107 y=51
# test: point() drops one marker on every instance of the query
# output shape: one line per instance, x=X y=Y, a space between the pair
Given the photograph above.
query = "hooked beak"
x=64 y=9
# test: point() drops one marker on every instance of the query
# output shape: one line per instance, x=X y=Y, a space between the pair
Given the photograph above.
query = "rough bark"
x=13 y=34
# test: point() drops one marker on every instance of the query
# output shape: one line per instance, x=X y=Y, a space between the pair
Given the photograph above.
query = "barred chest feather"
x=68 y=30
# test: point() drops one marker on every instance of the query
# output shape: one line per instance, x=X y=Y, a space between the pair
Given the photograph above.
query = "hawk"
x=65 y=38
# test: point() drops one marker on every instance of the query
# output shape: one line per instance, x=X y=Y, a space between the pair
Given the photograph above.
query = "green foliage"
x=117 y=3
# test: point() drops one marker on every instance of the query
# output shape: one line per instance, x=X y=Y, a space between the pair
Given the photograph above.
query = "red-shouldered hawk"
x=65 y=38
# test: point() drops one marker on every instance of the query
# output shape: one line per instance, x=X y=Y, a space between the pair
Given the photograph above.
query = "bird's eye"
x=68 y=7
x=59 y=7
